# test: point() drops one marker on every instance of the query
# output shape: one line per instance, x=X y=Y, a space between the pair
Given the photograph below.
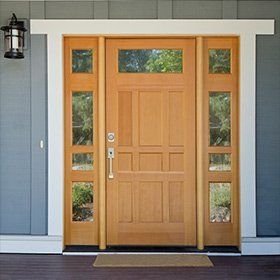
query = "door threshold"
x=209 y=250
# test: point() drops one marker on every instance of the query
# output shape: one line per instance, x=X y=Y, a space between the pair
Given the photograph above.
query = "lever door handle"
x=111 y=155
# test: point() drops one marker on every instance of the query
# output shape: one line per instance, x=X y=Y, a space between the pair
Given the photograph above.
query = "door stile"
x=200 y=145
x=102 y=144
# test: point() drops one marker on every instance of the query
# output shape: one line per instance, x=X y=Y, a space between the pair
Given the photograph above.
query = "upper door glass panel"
x=219 y=61
x=150 y=61
x=82 y=61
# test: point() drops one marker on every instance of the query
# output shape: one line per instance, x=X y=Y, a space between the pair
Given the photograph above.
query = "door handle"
x=111 y=155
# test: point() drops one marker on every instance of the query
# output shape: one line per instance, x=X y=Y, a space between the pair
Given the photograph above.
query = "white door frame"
x=246 y=29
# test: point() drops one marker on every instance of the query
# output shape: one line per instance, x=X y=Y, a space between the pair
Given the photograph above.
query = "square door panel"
x=150 y=162
x=125 y=162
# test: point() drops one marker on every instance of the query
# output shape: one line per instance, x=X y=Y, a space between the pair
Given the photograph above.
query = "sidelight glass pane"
x=219 y=119
x=220 y=202
x=219 y=162
x=82 y=61
x=151 y=61
x=219 y=61
x=82 y=161
x=82 y=202
x=82 y=118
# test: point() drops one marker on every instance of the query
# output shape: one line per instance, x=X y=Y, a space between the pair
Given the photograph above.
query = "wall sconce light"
x=14 y=38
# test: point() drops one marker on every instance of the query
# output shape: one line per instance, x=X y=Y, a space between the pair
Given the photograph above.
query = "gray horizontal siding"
x=268 y=117
x=133 y=10
x=14 y=135
x=23 y=173
x=198 y=9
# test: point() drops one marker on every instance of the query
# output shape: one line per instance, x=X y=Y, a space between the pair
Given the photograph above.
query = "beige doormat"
x=153 y=260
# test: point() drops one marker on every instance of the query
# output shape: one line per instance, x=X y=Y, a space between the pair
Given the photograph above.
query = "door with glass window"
x=150 y=111
x=168 y=133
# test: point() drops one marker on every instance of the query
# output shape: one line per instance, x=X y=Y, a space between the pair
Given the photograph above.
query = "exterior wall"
x=23 y=199
x=268 y=117
x=23 y=103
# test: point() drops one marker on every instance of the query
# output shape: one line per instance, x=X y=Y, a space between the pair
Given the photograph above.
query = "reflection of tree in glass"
x=82 y=61
x=219 y=61
x=219 y=119
x=82 y=201
x=82 y=118
x=220 y=162
x=220 y=202
x=150 y=61
x=82 y=161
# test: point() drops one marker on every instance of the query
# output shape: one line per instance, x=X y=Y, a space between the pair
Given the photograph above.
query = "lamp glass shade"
x=14 y=39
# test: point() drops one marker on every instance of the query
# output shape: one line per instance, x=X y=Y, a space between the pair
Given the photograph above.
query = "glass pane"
x=219 y=61
x=220 y=202
x=82 y=161
x=220 y=162
x=151 y=61
x=82 y=118
x=82 y=202
x=219 y=119
x=82 y=61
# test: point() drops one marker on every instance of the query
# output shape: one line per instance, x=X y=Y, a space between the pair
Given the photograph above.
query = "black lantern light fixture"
x=14 y=38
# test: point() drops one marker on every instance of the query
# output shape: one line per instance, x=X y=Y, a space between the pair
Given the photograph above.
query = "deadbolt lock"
x=111 y=137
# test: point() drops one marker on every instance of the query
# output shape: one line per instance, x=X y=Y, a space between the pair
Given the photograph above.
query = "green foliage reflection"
x=219 y=119
x=82 y=118
x=220 y=202
x=82 y=201
x=219 y=61
x=150 y=61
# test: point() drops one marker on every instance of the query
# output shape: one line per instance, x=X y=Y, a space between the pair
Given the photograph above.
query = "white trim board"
x=43 y=244
x=152 y=27
x=261 y=246
x=246 y=29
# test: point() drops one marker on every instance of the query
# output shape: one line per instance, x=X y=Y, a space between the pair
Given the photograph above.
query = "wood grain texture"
x=221 y=233
x=153 y=118
x=79 y=233
x=49 y=267
x=200 y=156
x=101 y=143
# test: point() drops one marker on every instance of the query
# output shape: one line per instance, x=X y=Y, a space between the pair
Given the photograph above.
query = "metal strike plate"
x=111 y=137
x=111 y=152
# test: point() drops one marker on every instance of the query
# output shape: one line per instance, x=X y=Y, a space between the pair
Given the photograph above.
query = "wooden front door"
x=150 y=124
